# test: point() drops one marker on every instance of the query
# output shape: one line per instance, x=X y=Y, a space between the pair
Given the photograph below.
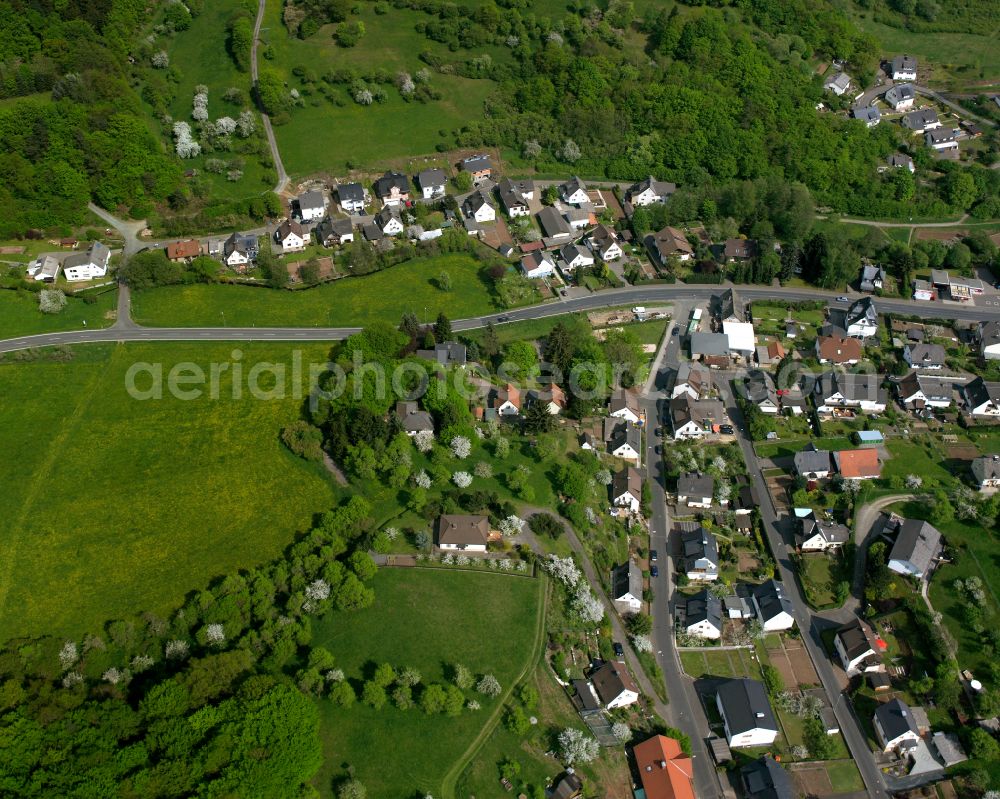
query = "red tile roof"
x=666 y=772
x=858 y=463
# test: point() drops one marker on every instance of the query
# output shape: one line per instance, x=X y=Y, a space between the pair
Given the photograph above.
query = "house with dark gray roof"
x=773 y=608
x=819 y=535
x=916 y=547
x=412 y=419
x=986 y=472
x=626 y=587
x=764 y=778
x=982 y=398
x=695 y=490
x=925 y=356
x=392 y=188
x=574 y=191
x=869 y=114
x=352 y=197
x=513 y=199
x=858 y=647
x=704 y=343
x=700 y=615
x=695 y=418
x=554 y=224
x=446 y=353
x=903 y=67
x=746 y=713
x=901 y=96
x=895 y=726
x=812 y=463
x=921 y=120
x=650 y=191
x=332 y=232
x=988 y=338
x=432 y=183
x=699 y=552
x=312 y=205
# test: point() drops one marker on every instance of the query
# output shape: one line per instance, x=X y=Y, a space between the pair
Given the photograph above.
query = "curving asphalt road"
x=268 y=130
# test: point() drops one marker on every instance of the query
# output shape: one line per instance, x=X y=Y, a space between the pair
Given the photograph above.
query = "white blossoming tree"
x=511 y=525
x=422 y=480
x=462 y=479
x=621 y=731
x=364 y=97
x=69 y=654
x=51 y=301
x=160 y=60
x=424 y=441
x=461 y=447
x=224 y=126
x=489 y=685
x=587 y=606
x=913 y=482
x=184 y=145
x=405 y=84
x=176 y=649
x=483 y=469
x=642 y=643
x=215 y=634
x=577 y=747
x=246 y=125
x=563 y=569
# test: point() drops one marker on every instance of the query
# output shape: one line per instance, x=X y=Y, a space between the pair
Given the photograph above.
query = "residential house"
x=764 y=778
x=746 y=713
x=729 y=306
x=860 y=319
x=872 y=277
x=793 y=400
x=88 y=265
x=393 y=188
x=838 y=83
x=239 y=250
x=941 y=139
x=858 y=647
x=538 y=264
x=838 y=350
x=578 y=218
x=664 y=770
x=695 y=490
x=649 y=191
x=412 y=419
x=919 y=391
x=921 y=120
x=772 y=607
x=512 y=198
x=389 y=221
x=988 y=336
x=614 y=685
x=477 y=206
x=738 y=605
x=812 y=463
x=923 y=290
x=745 y=499
x=463 y=532
x=916 y=546
x=626 y=588
x=575 y=256
x=925 y=356
x=312 y=206
x=553 y=224
x=700 y=552
x=903 y=67
x=45 y=269
x=624 y=404
x=700 y=615
x=760 y=390
x=900 y=97
x=986 y=472
x=333 y=232
x=603 y=242
x=568 y=786
x=352 y=197
x=901 y=161
x=858 y=464
x=705 y=344
x=183 y=250
x=478 y=166
x=850 y=390
x=869 y=114
x=670 y=243
x=695 y=418
x=981 y=398
x=694 y=380
x=506 y=401
x=895 y=726
x=957 y=288
x=574 y=191
x=551 y=397
x=446 y=353
x=626 y=443
x=432 y=183
x=291 y=236
x=819 y=535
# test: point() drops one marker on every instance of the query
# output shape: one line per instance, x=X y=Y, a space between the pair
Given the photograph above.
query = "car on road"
x=503 y=318
x=563 y=292
x=654 y=571
x=652 y=556
x=726 y=429
x=676 y=331
x=618 y=649
x=842 y=298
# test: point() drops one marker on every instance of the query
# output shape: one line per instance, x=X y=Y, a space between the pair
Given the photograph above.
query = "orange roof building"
x=179 y=250
x=666 y=772
x=858 y=464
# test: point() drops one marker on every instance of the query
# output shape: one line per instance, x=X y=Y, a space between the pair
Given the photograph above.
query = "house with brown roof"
x=183 y=250
x=465 y=533
x=506 y=401
x=626 y=489
x=838 y=350
x=624 y=404
x=858 y=464
x=670 y=243
x=552 y=397
x=614 y=685
x=664 y=770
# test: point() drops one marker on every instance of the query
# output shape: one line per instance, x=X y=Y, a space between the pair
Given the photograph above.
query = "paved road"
x=128 y=230
x=268 y=130
x=780 y=542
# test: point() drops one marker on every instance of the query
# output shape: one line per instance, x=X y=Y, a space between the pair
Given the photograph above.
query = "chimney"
x=663 y=764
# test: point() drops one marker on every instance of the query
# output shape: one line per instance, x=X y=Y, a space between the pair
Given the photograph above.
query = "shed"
x=870 y=438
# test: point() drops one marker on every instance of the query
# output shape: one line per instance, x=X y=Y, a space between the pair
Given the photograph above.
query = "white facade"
x=758 y=736
x=292 y=242
x=87 y=271
x=704 y=629
x=464 y=547
x=542 y=266
x=627 y=414
x=627 y=500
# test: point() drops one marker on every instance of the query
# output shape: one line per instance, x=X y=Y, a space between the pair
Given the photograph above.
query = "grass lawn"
x=819 y=576
x=650 y=332
x=923 y=457
x=844 y=776
x=114 y=505
x=327 y=135
x=714 y=663
x=384 y=295
x=19 y=314
x=787 y=448
x=421 y=619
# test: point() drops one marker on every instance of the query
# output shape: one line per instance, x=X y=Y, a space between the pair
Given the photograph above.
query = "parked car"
x=654 y=571
x=843 y=299
x=618 y=649
x=727 y=429
x=652 y=556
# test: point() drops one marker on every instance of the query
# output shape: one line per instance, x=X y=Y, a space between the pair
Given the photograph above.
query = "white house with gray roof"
x=916 y=547
x=87 y=265
x=746 y=713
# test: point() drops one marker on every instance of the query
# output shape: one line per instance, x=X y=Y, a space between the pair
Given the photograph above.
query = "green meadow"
x=19 y=314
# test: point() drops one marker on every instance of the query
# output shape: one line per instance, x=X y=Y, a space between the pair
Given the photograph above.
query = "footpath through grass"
x=19 y=314
x=349 y=302
x=426 y=619
x=111 y=504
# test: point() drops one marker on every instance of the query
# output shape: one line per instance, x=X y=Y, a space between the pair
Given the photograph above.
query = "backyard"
x=113 y=503
x=19 y=314
x=386 y=295
x=420 y=620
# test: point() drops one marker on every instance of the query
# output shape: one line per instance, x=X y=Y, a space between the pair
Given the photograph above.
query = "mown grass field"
x=385 y=295
x=426 y=619
x=19 y=314
x=322 y=136
x=112 y=505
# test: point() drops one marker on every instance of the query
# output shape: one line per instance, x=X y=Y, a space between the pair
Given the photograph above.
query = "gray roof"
x=628 y=434
x=857 y=639
x=917 y=542
x=626 y=579
x=989 y=332
x=510 y=194
x=895 y=719
x=986 y=468
x=868 y=113
x=388 y=213
x=571 y=251
x=771 y=600
x=552 y=222
x=312 y=199
x=431 y=177
x=627 y=481
x=695 y=485
x=745 y=705
x=729 y=305
x=766 y=779
x=904 y=63
x=683 y=409
x=475 y=201
x=920 y=119
x=446 y=353
x=841 y=80
x=900 y=160
x=239 y=242
x=329 y=227
x=703 y=606
x=939 y=135
x=927 y=354
x=862 y=310
x=351 y=191
x=610 y=680
x=571 y=186
x=811 y=460
x=978 y=392
x=851 y=385
x=709 y=344
x=901 y=91
x=661 y=188
x=831 y=532
x=477 y=163
x=412 y=418
x=384 y=184
x=697 y=544
x=97 y=254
